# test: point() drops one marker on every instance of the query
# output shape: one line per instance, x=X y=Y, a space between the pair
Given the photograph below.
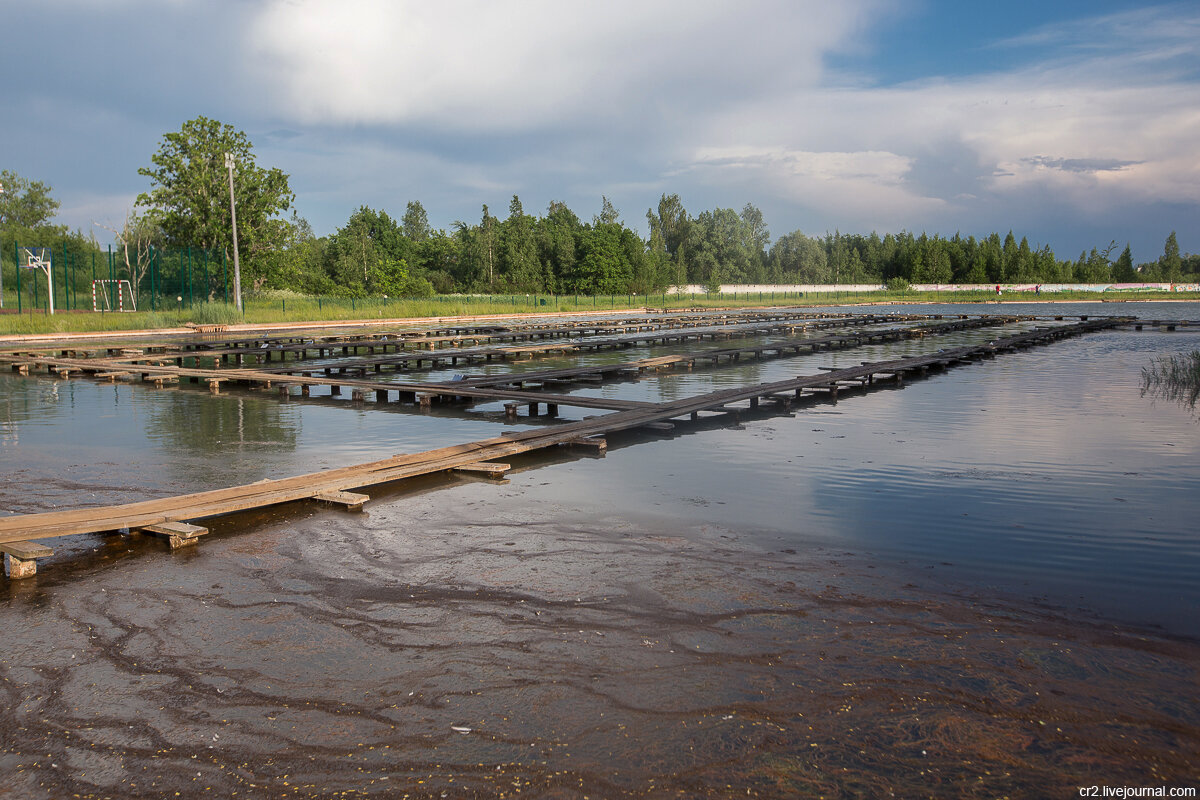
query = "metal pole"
x=237 y=268
x=17 y=259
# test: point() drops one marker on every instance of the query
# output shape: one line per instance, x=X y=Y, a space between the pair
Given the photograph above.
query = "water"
x=987 y=576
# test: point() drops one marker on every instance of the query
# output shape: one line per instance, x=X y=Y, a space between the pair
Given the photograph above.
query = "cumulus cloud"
x=468 y=64
x=1097 y=128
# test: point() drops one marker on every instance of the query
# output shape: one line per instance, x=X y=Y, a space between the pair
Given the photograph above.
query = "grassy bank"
x=310 y=309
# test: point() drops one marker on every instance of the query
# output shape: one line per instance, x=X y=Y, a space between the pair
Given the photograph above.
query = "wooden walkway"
x=174 y=517
x=510 y=387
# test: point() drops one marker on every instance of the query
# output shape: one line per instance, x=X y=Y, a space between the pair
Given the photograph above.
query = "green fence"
x=103 y=281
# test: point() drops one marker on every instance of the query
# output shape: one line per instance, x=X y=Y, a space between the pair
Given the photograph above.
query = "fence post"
x=66 y=280
x=225 y=274
x=153 y=292
x=191 y=292
x=17 y=261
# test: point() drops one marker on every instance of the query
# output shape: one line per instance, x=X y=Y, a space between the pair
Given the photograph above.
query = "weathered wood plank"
x=351 y=501
x=489 y=467
x=26 y=550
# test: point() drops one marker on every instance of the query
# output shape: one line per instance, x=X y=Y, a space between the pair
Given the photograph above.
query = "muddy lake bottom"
x=979 y=585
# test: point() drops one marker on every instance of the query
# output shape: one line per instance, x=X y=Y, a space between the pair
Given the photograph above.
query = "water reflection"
x=228 y=439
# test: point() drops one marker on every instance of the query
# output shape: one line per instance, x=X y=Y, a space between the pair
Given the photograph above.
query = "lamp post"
x=237 y=269
x=18 y=266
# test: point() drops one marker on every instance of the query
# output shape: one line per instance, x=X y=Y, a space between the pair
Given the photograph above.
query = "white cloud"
x=868 y=184
x=472 y=64
x=1097 y=128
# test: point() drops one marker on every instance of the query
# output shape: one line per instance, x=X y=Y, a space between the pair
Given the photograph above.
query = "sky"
x=1071 y=123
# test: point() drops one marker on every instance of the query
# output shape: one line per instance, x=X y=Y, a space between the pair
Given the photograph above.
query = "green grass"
x=291 y=308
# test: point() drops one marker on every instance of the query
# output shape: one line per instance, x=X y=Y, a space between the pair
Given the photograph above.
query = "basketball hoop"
x=42 y=258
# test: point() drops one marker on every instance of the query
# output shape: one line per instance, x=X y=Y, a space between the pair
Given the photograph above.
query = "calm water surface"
x=980 y=584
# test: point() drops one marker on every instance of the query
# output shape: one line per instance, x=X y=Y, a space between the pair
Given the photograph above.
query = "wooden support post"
x=552 y=409
x=22 y=558
x=177 y=534
x=351 y=501
x=381 y=395
x=335 y=390
x=358 y=396
x=510 y=410
x=533 y=409
x=753 y=402
x=426 y=401
x=214 y=385
x=305 y=390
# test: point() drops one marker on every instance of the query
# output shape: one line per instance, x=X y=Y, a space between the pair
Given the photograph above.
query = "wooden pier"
x=512 y=387
x=175 y=518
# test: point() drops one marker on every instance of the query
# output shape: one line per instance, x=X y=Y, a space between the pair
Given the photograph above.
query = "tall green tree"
x=1123 y=270
x=25 y=203
x=519 y=261
x=1171 y=264
x=189 y=191
x=415 y=222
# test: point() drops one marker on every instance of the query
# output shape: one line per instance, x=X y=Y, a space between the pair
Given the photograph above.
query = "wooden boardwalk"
x=174 y=517
x=510 y=387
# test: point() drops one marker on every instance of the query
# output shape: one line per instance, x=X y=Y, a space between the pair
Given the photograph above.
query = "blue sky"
x=1072 y=123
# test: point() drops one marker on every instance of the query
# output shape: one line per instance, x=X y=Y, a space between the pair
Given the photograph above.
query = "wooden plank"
x=175 y=528
x=26 y=550
x=177 y=534
x=352 y=501
x=597 y=443
x=489 y=467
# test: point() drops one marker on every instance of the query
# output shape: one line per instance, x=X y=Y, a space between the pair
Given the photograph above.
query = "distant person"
x=997 y=290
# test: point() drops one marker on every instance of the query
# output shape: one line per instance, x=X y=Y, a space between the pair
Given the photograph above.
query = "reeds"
x=1175 y=377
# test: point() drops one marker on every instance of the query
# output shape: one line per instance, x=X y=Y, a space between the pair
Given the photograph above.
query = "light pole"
x=237 y=269
x=18 y=266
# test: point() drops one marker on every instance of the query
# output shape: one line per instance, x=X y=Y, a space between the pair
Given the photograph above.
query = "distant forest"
x=560 y=253
x=375 y=254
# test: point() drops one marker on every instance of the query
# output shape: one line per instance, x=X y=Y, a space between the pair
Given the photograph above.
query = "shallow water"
x=979 y=584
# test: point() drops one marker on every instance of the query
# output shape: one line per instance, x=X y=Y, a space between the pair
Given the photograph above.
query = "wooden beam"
x=21 y=555
x=487 y=467
x=351 y=501
x=178 y=534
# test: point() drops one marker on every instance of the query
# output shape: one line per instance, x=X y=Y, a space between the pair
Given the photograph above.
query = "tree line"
x=374 y=253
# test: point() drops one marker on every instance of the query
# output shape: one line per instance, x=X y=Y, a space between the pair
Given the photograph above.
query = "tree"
x=1123 y=269
x=1171 y=263
x=416 y=222
x=189 y=193
x=25 y=203
x=608 y=213
x=519 y=257
x=136 y=241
